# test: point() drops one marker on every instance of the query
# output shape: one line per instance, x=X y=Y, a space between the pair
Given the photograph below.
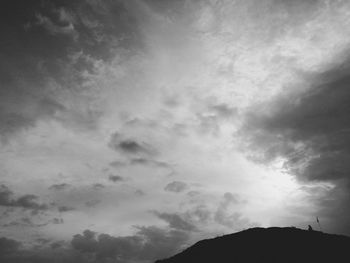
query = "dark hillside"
x=280 y=245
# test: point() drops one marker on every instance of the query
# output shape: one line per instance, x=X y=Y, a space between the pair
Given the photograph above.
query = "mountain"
x=272 y=245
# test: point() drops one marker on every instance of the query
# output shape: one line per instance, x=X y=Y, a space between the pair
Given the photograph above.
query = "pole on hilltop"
x=319 y=224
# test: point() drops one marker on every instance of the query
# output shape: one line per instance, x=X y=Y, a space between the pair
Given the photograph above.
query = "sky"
x=131 y=129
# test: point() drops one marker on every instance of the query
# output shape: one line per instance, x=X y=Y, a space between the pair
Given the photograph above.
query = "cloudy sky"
x=132 y=129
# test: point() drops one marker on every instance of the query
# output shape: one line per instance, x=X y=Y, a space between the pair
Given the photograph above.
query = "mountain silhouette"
x=271 y=245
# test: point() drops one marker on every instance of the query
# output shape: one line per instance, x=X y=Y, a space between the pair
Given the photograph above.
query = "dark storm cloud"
x=29 y=201
x=175 y=221
x=130 y=146
x=149 y=243
x=176 y=187
x=310 y=129
x=41 y=40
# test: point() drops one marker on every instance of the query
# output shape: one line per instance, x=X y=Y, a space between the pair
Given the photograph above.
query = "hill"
x=272 y=245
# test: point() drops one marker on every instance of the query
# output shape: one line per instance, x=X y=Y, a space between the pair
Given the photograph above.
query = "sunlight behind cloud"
x=151 y=117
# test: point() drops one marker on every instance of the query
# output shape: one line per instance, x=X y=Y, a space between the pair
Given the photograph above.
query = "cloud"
x=25 y=96
x=172 y=101
x=149 y=243
x=223 y=110
x=149 y=162
x=27 y=221
x=115 y=178
x=200 y=214
x=64 y=208
x=193 y=193
x=175 y=221
x=8 y=246
x=43 y=241
x=59 y=187
x=232 y=220
x=211 y=114
x=15 y=119
x=218 y=216
x=308 y=129
x=42 y=81
x=98 y=186
x=85 y=242
x=53 y=28
x=176 y=187
x=39 y=93
x=139 y=192
x=141 y=161
x=92 y=203
x=12 y=251
x=118 y=164
x=57 y=244
x=202 y=219
x=26 y=201
x=29 y=202
x=57 y=221
x=162 y=243
x=230 y=198
x=130 y=146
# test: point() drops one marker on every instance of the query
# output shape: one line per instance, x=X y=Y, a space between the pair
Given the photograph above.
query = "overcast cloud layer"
x=131 y=129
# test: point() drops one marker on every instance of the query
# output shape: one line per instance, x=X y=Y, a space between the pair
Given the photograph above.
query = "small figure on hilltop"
x=310 y=228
